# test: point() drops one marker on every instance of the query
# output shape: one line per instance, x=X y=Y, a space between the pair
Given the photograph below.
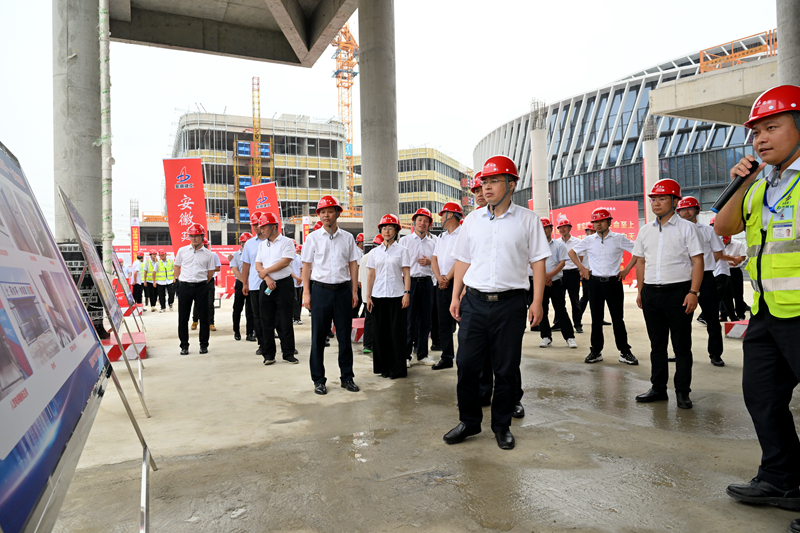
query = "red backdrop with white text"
x=186 y=202
x=264 y=198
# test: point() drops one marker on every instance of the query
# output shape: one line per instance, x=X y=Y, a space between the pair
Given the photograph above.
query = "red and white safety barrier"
x=112 y=348
x=736 y=330
x=357 y=332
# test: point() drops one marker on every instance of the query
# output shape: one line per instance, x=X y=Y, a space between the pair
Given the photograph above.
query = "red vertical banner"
x=186 y=202
x=134 y=238
x=264 y=198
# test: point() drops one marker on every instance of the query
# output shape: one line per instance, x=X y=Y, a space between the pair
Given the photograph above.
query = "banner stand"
x=126 y=290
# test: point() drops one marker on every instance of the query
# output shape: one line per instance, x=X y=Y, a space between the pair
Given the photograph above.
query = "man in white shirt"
x=297 y=272
x=212 y=292
x=603 y=251
x=421 y=244
x=330 y=290
x=493 y=249
x=363 y=274
x=249 y=272
x=194 y=268
x=443 y=266
x=669 y=271
x=737 y=249
x=274 y=266
x=572 y=276
x=722 y=277
x=688 y=209
x=239 y=299
x=554 y=290
x=137 y=281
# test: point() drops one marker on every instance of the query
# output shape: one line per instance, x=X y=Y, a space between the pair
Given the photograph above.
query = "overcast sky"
x=463 y=69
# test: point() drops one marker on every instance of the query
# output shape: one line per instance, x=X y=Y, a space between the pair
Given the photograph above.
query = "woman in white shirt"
x=388 y=290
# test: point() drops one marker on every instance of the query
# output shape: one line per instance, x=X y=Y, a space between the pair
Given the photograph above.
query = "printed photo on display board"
x=50 y=359
x=122 y=280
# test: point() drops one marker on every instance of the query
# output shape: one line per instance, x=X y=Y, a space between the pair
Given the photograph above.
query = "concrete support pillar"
x=650 y=154
x=378 y=113
x=540 y=190
x=76 y=114
x=788 y=42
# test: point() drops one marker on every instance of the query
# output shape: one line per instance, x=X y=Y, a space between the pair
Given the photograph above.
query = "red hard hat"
x=687 y=202
x=267 y=219
x=246 y=236
x=779 y=99
x=563 y=222
x=461 y=222
x=298 y=248
x=546 y=222
x=378 y=239
x=424 y=212
x=153 y=252
x=205 y=242
x=666 y=186
x=499 y=164
x=600 y=213
x=317 y=225
x=726 y=240
x=451 y=207
x=360 y=237
x=161 y=252
x=329 y=201
x=389 y=219
x=255 y=217
x=140 y=254
x=711 y=223
x=590 y=226
x=477 y=181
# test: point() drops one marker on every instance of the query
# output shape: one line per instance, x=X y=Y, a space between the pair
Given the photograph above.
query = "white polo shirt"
x=604 y=255
x=330 y=257
x=270 y=253
x=195 y=264
x=297 y=269
x=737 y=249
x=388 y=266
x=668 y=253
x=137 y=273
x=419 y=248
x=499 y=251
x=570 y=244
x=558 y=251
x=711 y=243
x=444 y=250
x=249 y=257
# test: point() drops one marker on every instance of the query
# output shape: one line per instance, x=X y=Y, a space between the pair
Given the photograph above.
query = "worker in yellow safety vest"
x=151 y=291
x=168 y=276
x=766 y=209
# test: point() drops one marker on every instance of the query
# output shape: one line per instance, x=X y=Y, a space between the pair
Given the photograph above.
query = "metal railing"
x=735 y=52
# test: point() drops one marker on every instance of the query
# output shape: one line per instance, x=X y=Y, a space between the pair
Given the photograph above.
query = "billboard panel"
x=186 y=201
x=264 y=198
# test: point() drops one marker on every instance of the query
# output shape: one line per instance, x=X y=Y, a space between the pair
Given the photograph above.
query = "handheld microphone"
x=732 y=187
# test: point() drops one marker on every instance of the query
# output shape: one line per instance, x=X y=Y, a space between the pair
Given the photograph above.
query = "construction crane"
x=346 y=57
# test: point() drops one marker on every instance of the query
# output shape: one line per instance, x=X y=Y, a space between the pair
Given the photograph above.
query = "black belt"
x=418 y=278
x=194 y=283
x=334 y=287
x=495 y=296
x=668 y=286
x=603 y=279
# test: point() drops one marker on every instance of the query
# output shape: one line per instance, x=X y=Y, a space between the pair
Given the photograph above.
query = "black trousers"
x=327 y=305
x=137 y=292
x=357 y=308
x=665 y=317
x=602 y=293
x=189 y=294
x=239 y=303
x=368 y=330
x=492 y=329
x=276 y=313
x=389 y=354
x=298 y=303
x=770 y=374
x=150 y=294
x=171 y=293
x=709 y=305
x=584 y=296
x=254 y=299
x=419 y=314
x=161 y=290
x=436 y=339
x=572 y=284
x=529 y=292
x=209 y=303
x=556 y=293
x=443 y=299
x=726 y=308
x=737 y=290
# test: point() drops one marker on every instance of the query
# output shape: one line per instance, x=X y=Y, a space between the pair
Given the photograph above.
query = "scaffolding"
x=346 y=57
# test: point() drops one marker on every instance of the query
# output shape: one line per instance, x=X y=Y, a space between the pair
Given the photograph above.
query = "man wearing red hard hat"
x=767 y=209
x=239 y=299
x=493 y=250
x=604 y=253
x=443 y=266
x=572 y=276
x=669 y=271
x=249 y=272
x=194 y=268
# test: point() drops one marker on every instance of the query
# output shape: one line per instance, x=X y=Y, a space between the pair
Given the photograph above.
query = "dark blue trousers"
x=494 y=329
x=419 y=316
x=337 y=305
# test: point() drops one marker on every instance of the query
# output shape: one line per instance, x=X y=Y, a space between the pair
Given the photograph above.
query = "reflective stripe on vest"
x=776 y=268
x=170 y=270
x=161 y=273
x=148 y=277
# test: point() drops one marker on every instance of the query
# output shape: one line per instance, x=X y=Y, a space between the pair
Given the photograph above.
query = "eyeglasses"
x=493 y=181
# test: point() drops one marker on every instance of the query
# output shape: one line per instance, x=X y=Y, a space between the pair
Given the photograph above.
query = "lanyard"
x=772 y=208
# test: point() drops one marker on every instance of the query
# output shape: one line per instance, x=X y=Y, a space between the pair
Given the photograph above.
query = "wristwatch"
x=406 y=292
x=696 y=293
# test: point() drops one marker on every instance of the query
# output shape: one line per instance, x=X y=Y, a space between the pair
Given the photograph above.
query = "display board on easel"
x=126 y=290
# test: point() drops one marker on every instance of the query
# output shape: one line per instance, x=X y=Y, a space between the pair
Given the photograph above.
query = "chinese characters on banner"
x=134 y=237
x=186 y=203
x=306 y=228
x=264 y=198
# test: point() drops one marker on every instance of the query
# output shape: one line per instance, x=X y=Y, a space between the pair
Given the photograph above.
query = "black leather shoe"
x=184 y=351
x=519 y=411
x=435 y=348
x=717 y=361
x=327 y=343
x=671 y=359
x=269 y=359
x=760 y=492
x=204 y=349
x=320 y=388
x=683 y=400
x=251 y=338
x=578 y=329
x=652 y=396
x=237 y=337
x=486 y=401
x=505 y=440
x=443 y=363
x=295 y=351
x=606 y=323
x=459 y=433
x=794 y=526
x=258 y=352
x=349 y=385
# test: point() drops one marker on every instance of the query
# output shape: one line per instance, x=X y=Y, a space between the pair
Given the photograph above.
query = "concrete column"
x=540 y=190
x=76 y=114
x=378 y=113
x=788 y=42
x=650 y=154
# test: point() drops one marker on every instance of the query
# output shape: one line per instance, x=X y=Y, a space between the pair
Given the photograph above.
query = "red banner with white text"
x=264 y=198
x=186 y=203
x=134 y=236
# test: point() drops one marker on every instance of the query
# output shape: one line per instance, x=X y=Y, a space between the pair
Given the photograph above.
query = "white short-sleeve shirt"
x=443 y=250
x=330 y=257
x=499 y=251
x=270 y=253
x=711 y=243
x=388 y=266
x=419 y=248
x=249 y=257
x=668 y=250
x=570 y=244
x=558 y=251
x=195 y=264
x=297 y=269
x=604 y=254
